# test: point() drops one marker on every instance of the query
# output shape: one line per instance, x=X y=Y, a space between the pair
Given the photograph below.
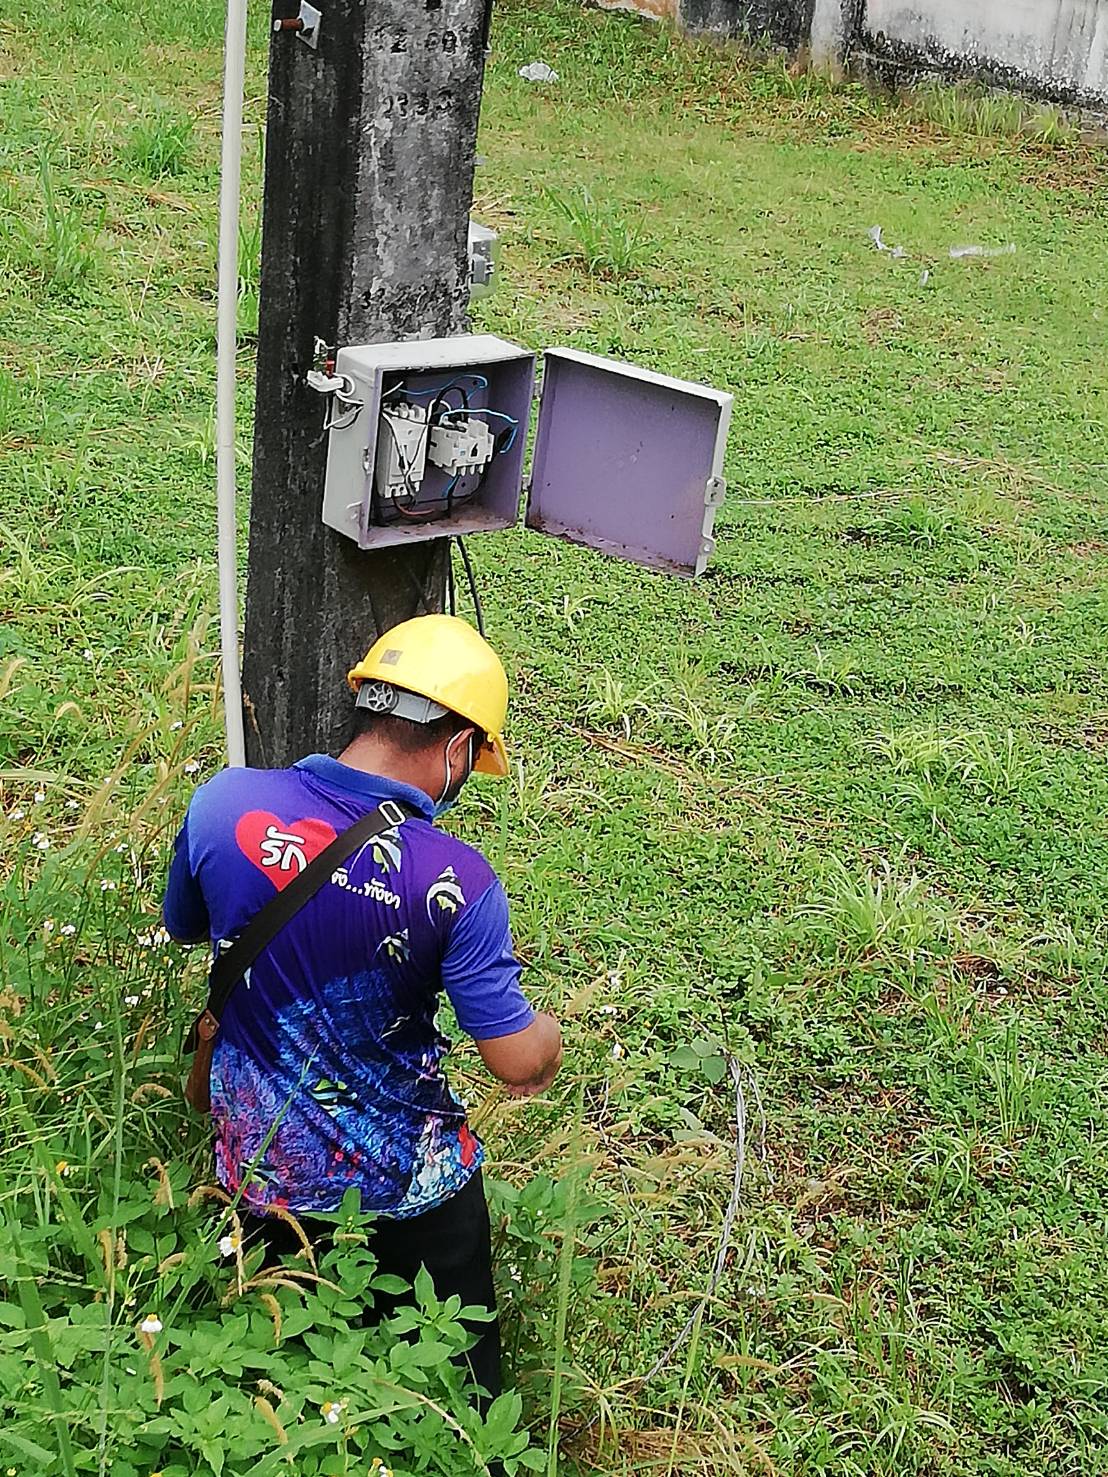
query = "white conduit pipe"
x=234 y=72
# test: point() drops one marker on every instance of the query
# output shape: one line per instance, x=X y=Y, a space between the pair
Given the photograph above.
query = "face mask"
x=448 y=798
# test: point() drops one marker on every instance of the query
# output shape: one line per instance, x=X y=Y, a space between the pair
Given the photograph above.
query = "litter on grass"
x=987 y=251
x=874 y=234
x=538 y=72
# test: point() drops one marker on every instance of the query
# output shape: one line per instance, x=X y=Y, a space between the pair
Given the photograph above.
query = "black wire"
x=450 y=495
x=420 y=589
x=474 y=596
x=451 y=601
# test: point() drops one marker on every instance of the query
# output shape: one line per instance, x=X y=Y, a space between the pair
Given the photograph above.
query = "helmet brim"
x=493 y=758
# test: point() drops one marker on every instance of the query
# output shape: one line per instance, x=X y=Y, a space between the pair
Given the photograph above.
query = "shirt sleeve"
x=183 y=908
x=480 y=971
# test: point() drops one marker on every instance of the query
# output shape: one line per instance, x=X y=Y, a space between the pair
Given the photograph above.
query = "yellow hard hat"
x=443 y=658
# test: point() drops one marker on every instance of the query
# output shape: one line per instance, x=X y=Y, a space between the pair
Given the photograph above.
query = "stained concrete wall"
x=1057 y=47
x=784 y=22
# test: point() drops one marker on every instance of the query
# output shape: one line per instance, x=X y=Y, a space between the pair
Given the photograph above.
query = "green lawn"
x=836 y=810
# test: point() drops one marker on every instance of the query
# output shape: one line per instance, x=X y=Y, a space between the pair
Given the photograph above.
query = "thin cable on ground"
x=729 y=1215
x=737 y=1072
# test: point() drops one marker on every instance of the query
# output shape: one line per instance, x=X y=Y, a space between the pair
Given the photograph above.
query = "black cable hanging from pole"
x=474 y=596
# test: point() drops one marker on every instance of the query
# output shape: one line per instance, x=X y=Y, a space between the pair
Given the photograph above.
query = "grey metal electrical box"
x=625 y=460
x=489 y=373
x=482 y=259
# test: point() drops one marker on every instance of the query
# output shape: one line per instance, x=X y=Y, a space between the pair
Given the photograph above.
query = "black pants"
x=452 y=1242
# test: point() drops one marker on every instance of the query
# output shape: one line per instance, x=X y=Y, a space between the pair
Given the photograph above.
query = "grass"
x=964 y=108
x=835 y=810
x=160 y=146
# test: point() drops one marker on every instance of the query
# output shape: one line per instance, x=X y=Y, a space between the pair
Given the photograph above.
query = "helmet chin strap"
x=447 y=776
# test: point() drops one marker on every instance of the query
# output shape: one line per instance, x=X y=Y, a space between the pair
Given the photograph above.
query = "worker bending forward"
x=332 y=1034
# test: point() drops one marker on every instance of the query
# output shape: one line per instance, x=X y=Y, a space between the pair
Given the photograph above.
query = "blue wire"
x=478 y=379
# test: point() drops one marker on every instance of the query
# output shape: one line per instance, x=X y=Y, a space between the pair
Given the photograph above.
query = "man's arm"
x=183 y=908
x=481 y=976
x=528 y=1060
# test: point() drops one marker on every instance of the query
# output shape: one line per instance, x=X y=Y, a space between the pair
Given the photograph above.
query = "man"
x=332 y=1035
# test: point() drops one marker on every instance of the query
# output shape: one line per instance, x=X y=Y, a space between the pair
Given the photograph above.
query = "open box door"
x=628 y=461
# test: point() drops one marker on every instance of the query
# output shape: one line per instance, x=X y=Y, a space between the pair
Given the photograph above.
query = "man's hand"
x=527 y=1061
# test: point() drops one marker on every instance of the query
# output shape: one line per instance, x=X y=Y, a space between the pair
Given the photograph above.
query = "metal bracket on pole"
x=305 y=25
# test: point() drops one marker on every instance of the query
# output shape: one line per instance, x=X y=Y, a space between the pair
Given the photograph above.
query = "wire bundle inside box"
x=435 y=444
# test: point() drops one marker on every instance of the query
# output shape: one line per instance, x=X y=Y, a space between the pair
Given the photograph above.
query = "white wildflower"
x=87 y=654
x=106 y=885
x=331 y=1411
x=617 y=1052
x=48 y=925
x=607 y=1010
x=69 y=929
x=176 y=727
x=41 y=841
x=16 y=815
x=130 y=999
x=229 y=1245
x=192 y=766
x=72 y=805
x=40 y=796
x=151 y=1324
x=63 y=1168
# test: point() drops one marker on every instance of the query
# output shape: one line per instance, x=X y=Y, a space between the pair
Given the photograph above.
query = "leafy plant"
x=250 y=272
x=997 y=764
x=879 y=912
x=961 y=108
x=65 y=251
x=602 y=240
x=610 y=701
x=159 y=146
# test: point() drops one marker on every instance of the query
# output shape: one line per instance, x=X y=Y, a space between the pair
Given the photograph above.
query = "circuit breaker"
x=427 y=438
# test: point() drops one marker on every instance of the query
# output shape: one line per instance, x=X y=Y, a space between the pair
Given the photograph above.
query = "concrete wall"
x=1057 y=47
x=784 y=22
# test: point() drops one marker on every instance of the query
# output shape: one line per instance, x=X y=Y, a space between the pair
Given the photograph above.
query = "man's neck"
x=372 y=757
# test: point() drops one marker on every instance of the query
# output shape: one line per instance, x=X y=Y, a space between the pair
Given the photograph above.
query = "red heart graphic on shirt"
x=281 y=850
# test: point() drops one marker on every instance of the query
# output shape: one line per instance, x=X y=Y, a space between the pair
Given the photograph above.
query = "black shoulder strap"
x=231 y=966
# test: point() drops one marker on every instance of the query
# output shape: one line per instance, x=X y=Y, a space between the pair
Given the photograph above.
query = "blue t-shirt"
x=332 y=1035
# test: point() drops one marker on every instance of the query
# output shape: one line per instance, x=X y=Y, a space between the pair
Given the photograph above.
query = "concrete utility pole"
x=370 y=140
